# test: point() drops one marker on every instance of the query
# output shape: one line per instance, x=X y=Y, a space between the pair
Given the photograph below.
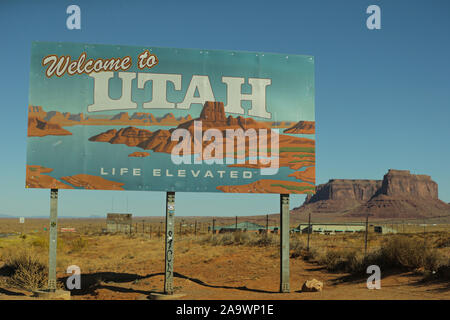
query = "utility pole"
x=267 y=224
x=195 y=231
x=424 y=238
x=309 y=231
x=366 y=235
x=235 y=225
x=213 y=226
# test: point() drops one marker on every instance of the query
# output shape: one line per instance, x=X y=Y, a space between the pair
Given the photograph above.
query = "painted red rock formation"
x=122 y=118
x=39 y=128
x=36 y=177
x=87 y=181
x=160 y=140
x=303 y=127
x=138 y=154
x=213 y=116
x=399 y=195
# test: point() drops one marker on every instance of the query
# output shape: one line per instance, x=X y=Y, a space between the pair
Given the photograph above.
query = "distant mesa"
x=138 y=154
x=302 y=127
x=399 y=195
x=40 y=128
x=214 y=109
x=65 y=119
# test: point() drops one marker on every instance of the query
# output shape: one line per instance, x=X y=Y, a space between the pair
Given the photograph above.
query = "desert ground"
x=239 y=265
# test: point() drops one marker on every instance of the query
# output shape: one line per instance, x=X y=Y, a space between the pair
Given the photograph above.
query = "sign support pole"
x=53 y=240
x=169 y=253
x=284 y=243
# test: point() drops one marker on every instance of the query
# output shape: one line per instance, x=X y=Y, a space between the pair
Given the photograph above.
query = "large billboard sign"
x=162 y=119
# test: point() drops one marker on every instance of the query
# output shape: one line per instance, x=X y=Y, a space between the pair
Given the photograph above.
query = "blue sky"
x=382 y=96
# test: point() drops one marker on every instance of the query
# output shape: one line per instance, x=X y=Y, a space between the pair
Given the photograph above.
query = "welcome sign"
x=162 y=119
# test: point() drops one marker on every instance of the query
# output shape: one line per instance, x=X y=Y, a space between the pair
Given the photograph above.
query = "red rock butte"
x=399 y=195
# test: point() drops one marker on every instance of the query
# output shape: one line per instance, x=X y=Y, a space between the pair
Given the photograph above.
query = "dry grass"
x=396 y=253
x=26 y=269
x=95 y=252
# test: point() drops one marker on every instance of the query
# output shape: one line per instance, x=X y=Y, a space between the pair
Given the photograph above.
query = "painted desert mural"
x=132 y=151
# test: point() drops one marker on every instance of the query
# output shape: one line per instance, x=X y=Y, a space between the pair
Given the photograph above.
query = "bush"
x=265 y=240
x=78 y=244
x=241 y=237
x=406 y=253
x=342 y=261
x=297 y=247
x=26 y=269
x=395 y=253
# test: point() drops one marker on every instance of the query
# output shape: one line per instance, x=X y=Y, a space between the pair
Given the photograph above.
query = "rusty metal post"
x=284 y=243
x=169 y=250
x=53 y=239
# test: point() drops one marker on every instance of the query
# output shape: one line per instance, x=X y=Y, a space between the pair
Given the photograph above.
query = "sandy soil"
x=119 y=267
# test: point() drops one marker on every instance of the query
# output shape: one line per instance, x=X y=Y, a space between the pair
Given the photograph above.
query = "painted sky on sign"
x=382 y=97
x=292 y=78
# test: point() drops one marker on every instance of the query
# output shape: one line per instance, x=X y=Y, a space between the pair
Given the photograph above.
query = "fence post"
x=309 y=231
x=195 y=231
x=366 y=235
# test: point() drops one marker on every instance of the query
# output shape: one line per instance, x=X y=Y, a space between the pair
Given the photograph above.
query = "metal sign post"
x=170 y=213
x=53 y=239
x=284 y=243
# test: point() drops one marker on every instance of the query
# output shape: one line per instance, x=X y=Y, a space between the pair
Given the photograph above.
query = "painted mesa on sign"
x=205 y=139
x=162 y=119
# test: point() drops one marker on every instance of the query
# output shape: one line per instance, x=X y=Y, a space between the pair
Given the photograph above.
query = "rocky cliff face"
x=399 y=194
x=213 y=111
x=304 y=127
x=212 y=116
x=400 y=183
x=40 y=128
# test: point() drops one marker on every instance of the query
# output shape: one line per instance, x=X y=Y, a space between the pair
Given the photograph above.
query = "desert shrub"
x=241 y=237
x=345 y=260
x=397 y=252
x=78 y=244
x=443 y=272
x=225 y=239
x=406 y=253
x=308 y=255
x=443 y=242
x=297 y=247
x=41 y=242
x=264 y=240
x=26 y=269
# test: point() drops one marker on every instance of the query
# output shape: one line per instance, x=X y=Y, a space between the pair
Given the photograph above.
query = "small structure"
x=118 y=222
x=331 y=228
x=383 y=230
x=243 y=227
